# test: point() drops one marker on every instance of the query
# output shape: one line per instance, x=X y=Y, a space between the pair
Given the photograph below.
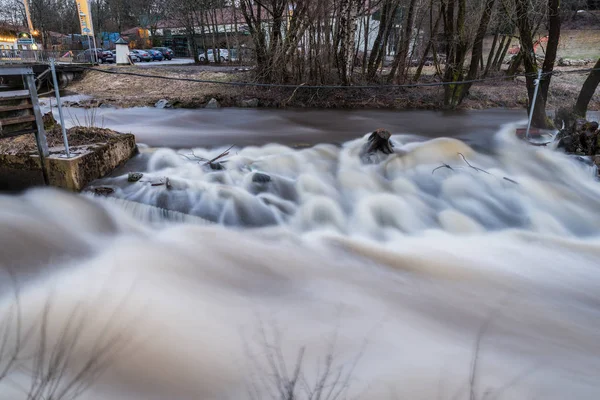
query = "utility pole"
x=32 y=31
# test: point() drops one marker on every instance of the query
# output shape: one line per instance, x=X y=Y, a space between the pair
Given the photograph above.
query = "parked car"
x=167 y=53
x=108 y=57
x=222 y=56
x=156 y=55
x=142 y=55
x=133 y=56
x=102 y=56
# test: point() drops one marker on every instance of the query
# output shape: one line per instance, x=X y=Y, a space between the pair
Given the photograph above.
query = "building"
x=227 y=29
x=8 y=37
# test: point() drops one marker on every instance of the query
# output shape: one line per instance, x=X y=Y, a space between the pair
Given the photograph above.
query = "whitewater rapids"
x=438 y=272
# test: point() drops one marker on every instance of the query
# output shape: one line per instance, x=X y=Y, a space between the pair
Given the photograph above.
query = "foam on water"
x=408 y=280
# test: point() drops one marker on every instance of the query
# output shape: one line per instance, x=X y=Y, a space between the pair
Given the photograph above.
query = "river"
x=463 y=265
x=184 y=128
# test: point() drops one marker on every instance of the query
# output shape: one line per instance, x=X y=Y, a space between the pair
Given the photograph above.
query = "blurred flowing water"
x=454 y=268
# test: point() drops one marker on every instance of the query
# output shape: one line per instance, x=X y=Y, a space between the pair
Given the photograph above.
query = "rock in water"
x=378 y=143
x=260 y=178
x=217 y=166
x=251 y=103
x=103 y=191
x=163 y=103
x=213 y=103
x=134 y=176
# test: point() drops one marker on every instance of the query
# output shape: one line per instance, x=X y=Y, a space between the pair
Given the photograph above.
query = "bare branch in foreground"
x=444 y=165
x=469 y=164
x=271 y=378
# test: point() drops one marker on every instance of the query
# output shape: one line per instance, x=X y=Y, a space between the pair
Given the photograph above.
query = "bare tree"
x=587 y=91
x=526 y=30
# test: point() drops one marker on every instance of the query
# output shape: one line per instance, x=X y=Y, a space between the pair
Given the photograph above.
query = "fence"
x=44 y=56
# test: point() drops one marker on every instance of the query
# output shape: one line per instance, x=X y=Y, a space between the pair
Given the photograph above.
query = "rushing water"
x=385 y=280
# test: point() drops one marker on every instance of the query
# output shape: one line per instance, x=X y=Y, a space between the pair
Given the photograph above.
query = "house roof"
x=223 y=16
x=132 y=31
x=6 y=27
x=57 y=35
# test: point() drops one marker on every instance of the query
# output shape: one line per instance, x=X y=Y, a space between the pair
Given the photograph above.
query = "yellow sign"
x=85 y=19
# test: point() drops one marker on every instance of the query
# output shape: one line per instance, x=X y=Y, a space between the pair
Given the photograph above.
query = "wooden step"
x=17 y=133
x=16 y=108
x=14 y=95
x=16 y=120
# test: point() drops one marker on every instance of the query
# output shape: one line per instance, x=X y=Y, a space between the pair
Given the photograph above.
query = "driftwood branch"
x=444 y=165
x=472 y=166
x=223 y=154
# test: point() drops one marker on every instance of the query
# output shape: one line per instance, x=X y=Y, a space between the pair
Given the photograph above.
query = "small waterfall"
x=435 y=272
x=149 y=214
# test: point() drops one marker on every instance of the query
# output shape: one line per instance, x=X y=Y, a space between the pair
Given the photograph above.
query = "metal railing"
x=44 y=56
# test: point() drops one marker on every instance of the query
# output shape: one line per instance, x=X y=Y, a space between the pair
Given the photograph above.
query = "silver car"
x=222 y=56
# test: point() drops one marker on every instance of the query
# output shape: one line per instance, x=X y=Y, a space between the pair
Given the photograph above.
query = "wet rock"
x=217 y=166
x=596 y=161
x=213 y=103
x=260 y=178
x=163 y=103
x=250 y=103
x=134 y=176
x=579 y=137
x=103 y=191
x=378 y=144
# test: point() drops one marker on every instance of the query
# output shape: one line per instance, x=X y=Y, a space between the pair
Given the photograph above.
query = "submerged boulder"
x=213 y=103
x=134 y=176
x=259 y=177
x=163 y=103
x=250 y=103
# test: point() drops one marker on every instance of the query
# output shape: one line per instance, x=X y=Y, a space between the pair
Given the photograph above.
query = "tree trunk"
x=587 y=91
x=490 y=58
x=388 y=15
x=538 y=114
x=457 y=51
x=551 y=48
x=367 y=27
x=433 y=32
x=477 y=52
x=399 y=63
x=346 y=33
x=499 y=58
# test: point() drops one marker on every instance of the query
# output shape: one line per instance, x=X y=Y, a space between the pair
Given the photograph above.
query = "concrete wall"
x=21 y=171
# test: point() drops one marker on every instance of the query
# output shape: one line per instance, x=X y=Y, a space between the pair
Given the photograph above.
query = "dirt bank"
x=77 y=136
x=130 y=91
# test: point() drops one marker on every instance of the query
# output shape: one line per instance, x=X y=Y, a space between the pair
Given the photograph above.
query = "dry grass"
x=77 y=136
x=124 y=90
x=580 y=44
x=130 y=91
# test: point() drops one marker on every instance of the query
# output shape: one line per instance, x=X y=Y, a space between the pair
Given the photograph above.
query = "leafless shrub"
x=90 y=119
x=273 y=377
x=54 y=369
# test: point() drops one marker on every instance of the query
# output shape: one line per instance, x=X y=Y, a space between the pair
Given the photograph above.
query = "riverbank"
x=135 y=91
